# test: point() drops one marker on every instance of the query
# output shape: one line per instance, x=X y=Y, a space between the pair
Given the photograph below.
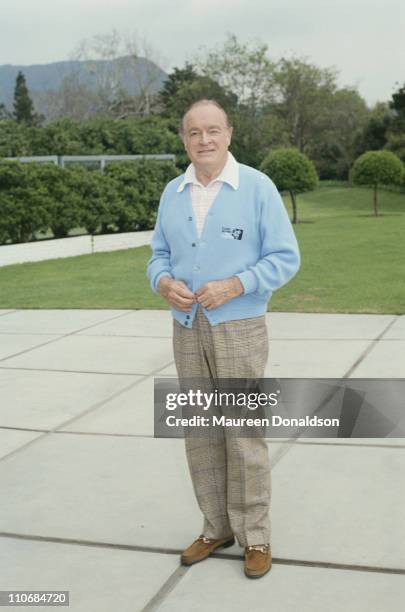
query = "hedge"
x=36 y=198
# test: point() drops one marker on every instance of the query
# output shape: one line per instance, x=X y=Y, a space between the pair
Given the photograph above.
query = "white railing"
x=100 y=160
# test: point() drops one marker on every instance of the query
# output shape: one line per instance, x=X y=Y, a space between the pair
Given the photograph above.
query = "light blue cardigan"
x=247 y=233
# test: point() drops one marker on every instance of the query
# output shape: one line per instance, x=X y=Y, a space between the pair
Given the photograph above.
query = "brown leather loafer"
x=202 y=547
x=257 y=560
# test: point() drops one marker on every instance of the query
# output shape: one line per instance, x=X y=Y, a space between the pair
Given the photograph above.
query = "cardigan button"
x=190 y=218
x=193 y=244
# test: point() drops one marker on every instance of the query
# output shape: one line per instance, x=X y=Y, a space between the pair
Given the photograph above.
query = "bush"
x=23 y=209
x=60 y=197
x=138 y=187
x=35 y=197
x=97 y=198
x=16 y=139
x=143 y=135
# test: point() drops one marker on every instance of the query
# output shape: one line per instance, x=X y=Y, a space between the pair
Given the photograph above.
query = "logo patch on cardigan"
x=229 y=233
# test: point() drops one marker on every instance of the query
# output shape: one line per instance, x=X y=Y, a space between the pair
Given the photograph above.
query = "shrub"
x=96 y=195
x=291 y=171
x=138 y=187
x=35 y=197
x=60 y=197
x=23 y=209
x=375 y=168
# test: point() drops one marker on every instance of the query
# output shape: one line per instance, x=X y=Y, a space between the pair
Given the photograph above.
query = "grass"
x=352 y=262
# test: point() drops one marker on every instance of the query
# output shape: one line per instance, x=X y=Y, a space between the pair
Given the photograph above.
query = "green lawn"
x=351 y=262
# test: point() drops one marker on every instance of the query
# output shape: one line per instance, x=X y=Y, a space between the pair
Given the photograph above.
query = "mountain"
x=132 y=74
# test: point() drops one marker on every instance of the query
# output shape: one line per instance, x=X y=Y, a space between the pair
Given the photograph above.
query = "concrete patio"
x=93 y=504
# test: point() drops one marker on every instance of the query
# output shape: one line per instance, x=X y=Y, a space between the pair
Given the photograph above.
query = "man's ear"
x=230 y=130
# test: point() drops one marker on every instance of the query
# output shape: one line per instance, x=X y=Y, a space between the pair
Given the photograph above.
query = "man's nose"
x=205 y=137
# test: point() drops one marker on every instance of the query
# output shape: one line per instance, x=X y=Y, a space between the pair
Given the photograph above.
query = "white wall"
x=69 y=247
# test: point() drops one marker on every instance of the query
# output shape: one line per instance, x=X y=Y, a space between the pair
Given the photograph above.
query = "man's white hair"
x=203 y=101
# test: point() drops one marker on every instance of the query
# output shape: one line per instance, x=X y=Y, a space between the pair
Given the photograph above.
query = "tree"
x=334 y=148
x=286 y=103
x=396 y=144
x=301 y=97
x=23 y=106
x=4 y=113
x=374 y=135
x=396 y=131
x=291 y=171
x=148 y=75
x=99 y=55
x=245 y=71
x=112 y=60
x=184 y=86
x=375 y=168
x=398 y=105
x=112 y=76
x=73 y=100
x=174 y=81
x=200 y=87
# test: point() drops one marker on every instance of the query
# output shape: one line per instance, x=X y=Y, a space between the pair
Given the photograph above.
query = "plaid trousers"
x=230 y=474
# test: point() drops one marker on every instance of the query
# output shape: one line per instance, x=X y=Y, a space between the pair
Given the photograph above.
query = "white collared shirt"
x=202 y=196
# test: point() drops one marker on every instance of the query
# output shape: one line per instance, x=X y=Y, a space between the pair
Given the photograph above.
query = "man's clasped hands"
x=211 y=295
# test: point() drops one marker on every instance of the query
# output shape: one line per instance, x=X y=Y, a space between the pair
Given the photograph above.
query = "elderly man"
x=222 y=244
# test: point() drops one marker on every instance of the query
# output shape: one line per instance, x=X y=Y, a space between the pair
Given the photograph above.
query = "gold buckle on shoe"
x=264 y=548
x=205 y=540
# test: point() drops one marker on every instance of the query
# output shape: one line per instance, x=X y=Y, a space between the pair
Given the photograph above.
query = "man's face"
x=206 y=136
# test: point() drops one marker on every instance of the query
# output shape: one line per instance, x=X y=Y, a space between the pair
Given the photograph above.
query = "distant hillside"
x=44 y=77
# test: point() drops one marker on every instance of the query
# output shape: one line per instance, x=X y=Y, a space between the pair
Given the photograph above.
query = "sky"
x=362 y=39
